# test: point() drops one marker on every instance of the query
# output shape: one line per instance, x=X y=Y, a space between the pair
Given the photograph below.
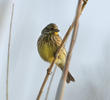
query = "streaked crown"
x=50 y=28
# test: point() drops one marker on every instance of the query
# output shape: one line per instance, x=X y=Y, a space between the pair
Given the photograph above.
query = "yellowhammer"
x=48 y=43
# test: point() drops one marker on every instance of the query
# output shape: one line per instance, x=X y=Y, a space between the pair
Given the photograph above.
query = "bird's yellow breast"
x=47 y=52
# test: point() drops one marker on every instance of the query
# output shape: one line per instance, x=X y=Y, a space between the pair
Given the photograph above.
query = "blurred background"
x=90 y=63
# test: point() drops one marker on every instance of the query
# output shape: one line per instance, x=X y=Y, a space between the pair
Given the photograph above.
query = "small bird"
x=48 y=43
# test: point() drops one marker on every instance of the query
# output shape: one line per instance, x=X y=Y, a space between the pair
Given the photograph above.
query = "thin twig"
x=53 y=62
x=60 y=91
x=50 y=83
x=8 y=58
x=74 y=35
x=83 y=5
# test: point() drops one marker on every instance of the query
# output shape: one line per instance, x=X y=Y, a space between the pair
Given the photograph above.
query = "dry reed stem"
x=53 y=62
x=74 y=35
x=8 y=58
x=60 y=92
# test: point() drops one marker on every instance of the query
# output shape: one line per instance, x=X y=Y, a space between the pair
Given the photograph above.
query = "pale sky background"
x=90 y=63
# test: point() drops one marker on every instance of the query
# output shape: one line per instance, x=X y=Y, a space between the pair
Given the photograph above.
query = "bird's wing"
x=58 y=42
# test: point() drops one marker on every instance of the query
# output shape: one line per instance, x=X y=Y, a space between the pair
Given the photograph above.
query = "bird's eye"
x=51 y=28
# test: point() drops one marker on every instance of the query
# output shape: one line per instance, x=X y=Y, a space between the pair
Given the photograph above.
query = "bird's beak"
x=56 y=30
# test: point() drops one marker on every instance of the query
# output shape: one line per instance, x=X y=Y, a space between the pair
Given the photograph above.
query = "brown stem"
x=60 y=91
x=74 y=35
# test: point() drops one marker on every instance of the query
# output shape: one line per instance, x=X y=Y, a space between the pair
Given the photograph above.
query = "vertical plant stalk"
x=50 y=83
x=53 y=62
x=8 y=58
x=60 y=91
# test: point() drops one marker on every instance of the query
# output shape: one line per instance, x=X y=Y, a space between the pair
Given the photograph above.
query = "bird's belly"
x=47 y=52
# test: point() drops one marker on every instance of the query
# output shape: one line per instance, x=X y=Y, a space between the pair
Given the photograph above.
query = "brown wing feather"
x=57 y=40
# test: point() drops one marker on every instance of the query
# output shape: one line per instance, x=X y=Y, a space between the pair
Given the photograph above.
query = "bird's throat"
x=56 y=33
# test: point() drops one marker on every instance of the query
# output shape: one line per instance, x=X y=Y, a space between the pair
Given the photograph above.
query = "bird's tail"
x=69 y=78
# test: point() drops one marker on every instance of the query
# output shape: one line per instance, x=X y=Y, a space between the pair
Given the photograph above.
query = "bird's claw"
x=48 y=71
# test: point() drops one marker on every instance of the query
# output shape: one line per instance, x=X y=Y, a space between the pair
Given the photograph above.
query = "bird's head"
x=51 y=29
